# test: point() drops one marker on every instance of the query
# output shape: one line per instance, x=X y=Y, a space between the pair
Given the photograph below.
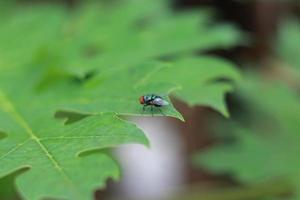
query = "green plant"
x=265 y=133
x=288 y=42
x=266 y=142
x=89 y=65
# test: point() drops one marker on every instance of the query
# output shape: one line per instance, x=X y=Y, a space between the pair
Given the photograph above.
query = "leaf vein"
x=82 y=137
x=14 y=148
x=9 y=108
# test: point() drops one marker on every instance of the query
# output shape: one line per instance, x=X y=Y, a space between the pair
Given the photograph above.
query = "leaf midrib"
x=8 y=107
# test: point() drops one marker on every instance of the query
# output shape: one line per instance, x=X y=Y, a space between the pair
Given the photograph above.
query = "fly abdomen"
x=158 y=102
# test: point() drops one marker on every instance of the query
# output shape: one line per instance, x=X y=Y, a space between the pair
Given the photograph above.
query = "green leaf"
x=17 y=49
x=288 y=44
x=50 y=149
x=52 y=152
x=96 y=42
x=8 y=190
x=201 y=83
x=95 y=39
x=267 y=147
x=94 y=67
x=181 y=79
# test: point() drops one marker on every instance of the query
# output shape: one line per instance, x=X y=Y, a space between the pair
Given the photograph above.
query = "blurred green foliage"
x=95 y=60
x=288 y=47
x=262 y=142
x=266 y=136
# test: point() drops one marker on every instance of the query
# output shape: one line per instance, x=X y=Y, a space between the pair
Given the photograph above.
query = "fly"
x=153 y=100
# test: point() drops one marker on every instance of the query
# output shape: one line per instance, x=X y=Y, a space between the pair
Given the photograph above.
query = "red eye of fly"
x=141 y=99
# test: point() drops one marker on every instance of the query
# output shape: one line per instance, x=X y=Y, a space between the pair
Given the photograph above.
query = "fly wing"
x=160 y=102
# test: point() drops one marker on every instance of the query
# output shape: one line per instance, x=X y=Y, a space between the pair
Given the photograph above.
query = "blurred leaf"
x=96 y=41
x=288 y=46
x=7 y=185
x=91 y=39
x=200 y=80
x=7 y=189
x=262 y=191
x=266 y=131
x=269 y=147
x=25 y=31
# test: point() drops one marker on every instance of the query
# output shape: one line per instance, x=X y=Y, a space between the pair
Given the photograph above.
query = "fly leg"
x=152 y=110
x=144 y=108
x=161 y=111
